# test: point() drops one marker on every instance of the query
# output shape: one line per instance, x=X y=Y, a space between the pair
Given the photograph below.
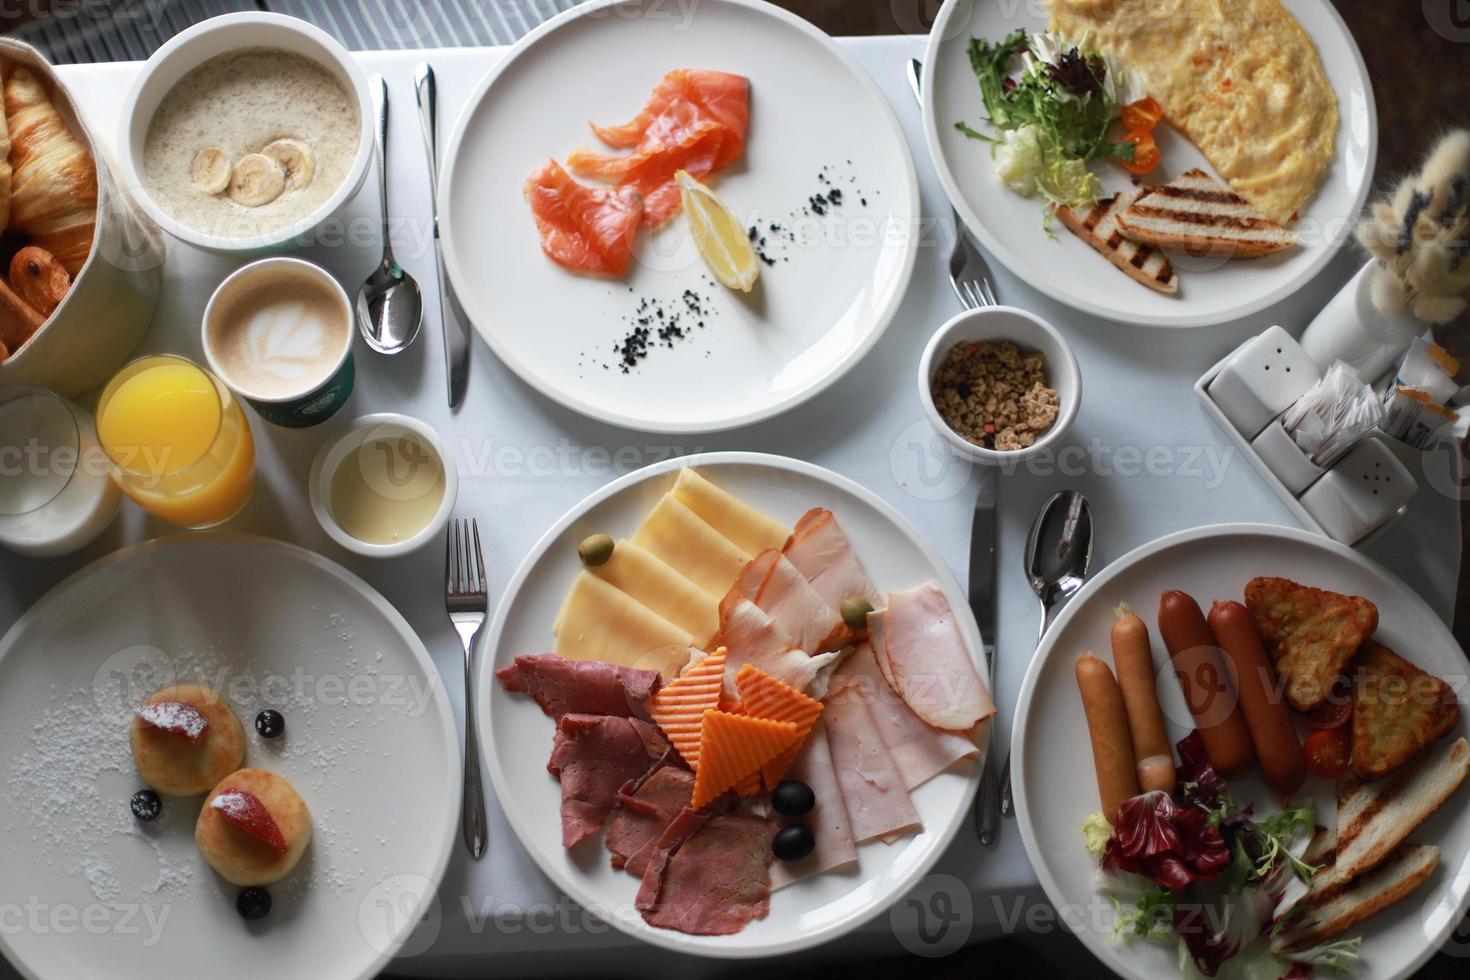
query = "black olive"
x=793 y=842
x=793 y=798
x=253 y=903
x=270 y=724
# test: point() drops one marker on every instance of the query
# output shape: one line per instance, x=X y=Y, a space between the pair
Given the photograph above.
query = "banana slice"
x=210 y=170
x=295 y=158
x=257 y=180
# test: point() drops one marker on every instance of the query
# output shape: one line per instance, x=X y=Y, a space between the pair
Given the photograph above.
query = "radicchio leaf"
x=1172 y=846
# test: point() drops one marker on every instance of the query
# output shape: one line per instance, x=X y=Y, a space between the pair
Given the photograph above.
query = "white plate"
x=809 y=319
x=1054 y=779
x=516 y=737
x=1211 y=290
x=369 y=743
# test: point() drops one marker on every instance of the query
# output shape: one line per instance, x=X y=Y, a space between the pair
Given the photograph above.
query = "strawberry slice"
x=245 y=811
x=176 y=718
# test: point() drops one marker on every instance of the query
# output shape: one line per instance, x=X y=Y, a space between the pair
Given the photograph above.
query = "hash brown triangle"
x=1311 y=634
x=1398 y=711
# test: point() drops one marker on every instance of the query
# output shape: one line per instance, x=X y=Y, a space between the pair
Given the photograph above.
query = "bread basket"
x=110 y=303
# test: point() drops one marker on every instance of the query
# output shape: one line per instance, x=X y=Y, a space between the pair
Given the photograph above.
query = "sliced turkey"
x=919 y=750
x=771 y=582
x=821 y=552
x=749 y=636
x=923 y=655
x=873 y=792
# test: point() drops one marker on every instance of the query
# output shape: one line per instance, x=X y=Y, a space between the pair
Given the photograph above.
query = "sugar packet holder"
x=1246 y=392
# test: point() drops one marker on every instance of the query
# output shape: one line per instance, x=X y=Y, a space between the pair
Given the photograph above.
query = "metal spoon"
x=389 y=305
x=1058 y=556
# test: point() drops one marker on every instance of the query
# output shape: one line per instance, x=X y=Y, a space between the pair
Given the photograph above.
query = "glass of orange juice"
x=179 y=443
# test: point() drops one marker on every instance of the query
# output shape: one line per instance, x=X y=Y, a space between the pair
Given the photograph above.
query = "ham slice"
x=771 y=582
x=919 y=750
x=923 y=656
x=749 y=636
x=828 y=818
x=643 y=815
x=873 y=792
x=709 y=876
x=820 y=551
x=594 y=756
x=582 y=687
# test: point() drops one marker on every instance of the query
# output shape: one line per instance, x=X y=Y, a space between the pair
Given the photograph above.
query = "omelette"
x=1240 y=78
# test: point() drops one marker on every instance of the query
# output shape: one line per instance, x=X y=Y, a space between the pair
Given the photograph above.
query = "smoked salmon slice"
x=693 y=121
x=585 y=229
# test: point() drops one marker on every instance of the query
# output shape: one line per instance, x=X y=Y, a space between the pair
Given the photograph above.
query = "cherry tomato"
x=1145 y=153
x=1142 y=115
x=1336 y=709
x=1327 y=751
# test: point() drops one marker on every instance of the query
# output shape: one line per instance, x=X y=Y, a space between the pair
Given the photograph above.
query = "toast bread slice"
x=1098 y=228
x=1322 y=916
x=1310 y=634
x=1199 y=214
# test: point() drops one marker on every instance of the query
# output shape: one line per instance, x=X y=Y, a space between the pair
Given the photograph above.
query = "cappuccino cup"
x=278 y=331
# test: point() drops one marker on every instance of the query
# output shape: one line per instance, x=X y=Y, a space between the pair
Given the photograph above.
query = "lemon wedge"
x=719 y=237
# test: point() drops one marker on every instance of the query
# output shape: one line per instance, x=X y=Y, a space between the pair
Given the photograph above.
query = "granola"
x=995 y=395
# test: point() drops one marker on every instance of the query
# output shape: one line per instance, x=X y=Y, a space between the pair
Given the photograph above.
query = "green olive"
x=855 y=611
x=595 y=550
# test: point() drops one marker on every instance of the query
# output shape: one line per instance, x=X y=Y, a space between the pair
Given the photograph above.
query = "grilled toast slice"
x=1310 y=634
x=1398 y=711
x=1322 y=916
x=1201 y=215
x=1098 y=228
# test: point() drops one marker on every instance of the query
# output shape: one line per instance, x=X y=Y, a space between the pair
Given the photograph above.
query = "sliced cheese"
x=600 y=622
x=747 y=528
x=645 y=577
x=682 y=539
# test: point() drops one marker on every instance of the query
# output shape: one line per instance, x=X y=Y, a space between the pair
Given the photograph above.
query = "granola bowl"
x=996 y=386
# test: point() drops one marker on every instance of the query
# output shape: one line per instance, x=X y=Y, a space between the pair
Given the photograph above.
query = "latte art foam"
x=278 y=335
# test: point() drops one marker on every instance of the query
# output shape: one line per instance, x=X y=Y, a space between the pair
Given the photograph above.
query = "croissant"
x=53 y=186
x=4 y=170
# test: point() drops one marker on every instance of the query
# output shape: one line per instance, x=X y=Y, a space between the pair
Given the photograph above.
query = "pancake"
x=174 y=765
x=240 y=858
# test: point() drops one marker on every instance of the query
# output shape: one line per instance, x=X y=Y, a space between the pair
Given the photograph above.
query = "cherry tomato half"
x=1336 y=709
x=1327 y=751
x=1142 y=115
x=1145 y=153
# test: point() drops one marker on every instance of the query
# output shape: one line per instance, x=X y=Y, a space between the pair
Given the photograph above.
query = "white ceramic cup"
x=1029 y=332
x=191 y=48
x=339 y=449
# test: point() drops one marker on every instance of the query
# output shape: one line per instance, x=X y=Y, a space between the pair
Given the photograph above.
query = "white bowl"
x=336 y=449
x=1029 y=332
x=188 y=50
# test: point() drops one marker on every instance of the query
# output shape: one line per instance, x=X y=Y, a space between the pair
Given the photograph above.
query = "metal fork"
x=968 y=273
x=467 y=601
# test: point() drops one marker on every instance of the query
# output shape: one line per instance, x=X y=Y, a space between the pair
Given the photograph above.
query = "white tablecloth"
x=1145 y=455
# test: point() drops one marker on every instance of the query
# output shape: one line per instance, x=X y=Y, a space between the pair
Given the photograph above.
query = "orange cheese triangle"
x=765 y=697
x=734 y=747
x=679 y=706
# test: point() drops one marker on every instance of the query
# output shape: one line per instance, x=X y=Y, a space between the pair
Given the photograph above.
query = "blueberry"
x=253 y=903
x=145 y=804
x=270 y=724
x=793 y=798
x=793 y=842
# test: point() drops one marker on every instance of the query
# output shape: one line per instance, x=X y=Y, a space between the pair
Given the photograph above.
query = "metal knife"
x=982 y=603
x=456 y=329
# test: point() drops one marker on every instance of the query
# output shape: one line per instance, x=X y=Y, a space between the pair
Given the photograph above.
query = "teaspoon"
x=1058 y=556
x=389 y=305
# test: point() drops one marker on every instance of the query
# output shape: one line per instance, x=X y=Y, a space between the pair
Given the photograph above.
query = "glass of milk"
x=55 y=491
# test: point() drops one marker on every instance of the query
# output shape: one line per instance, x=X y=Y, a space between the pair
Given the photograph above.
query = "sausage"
x=1277 y=747
x=1107 y=722
x=1207 y=689
x=1134 y=660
